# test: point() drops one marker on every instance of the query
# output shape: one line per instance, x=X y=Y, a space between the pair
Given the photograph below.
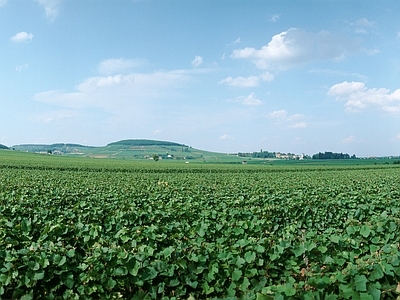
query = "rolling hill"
x=132 y=149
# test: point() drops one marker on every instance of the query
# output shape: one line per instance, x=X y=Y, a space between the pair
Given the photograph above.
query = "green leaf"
x=239 y=262
x=236 y=274
x=133 y=270
x=322 y=249
x=335 y=238
x=120 y=271
x=70 y=253
x=346 y=290
x=69 y=281
x=377 y=273
x=365 y=231
x=387 y=268
x=38 y=275
x=260 y=249
x=289 y=290
x=111 y=283
x=26 y=225
x=167 y=251
x=263 y=297
x=299 y=250
x=245 y=284
x=33 y=265
x=360 y=282
x=250 y=256
x=365 y=296
x=374 y=291
x=207 y=289
x=27 y=296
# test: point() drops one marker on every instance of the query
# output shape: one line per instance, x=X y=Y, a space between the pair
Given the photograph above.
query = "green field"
x=81 y=228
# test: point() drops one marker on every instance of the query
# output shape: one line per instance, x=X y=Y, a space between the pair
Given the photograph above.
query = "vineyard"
x=178 y=231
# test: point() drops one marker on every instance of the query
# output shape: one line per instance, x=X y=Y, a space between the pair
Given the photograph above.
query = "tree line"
x=332 y=155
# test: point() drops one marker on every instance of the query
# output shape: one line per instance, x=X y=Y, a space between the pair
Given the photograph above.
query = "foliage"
x=139 y=142
x=80 y=231
x=332 y=155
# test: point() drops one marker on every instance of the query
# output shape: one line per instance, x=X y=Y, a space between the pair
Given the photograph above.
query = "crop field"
x=75 y=228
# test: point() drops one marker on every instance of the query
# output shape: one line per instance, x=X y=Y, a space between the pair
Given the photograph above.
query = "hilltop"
x=131 y=149
x=3 y=147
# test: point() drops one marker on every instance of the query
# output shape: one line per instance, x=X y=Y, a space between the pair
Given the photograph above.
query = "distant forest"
x=261 y=154
x=3 y=147
x=145 y=143
x=332 y=155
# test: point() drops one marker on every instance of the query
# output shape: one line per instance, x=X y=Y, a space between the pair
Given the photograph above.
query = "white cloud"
x=237 y=41
x=278 y=114
x=282 y=117
x=53 y=116
x=363 y=22
x=51 y=8
x=298 y=125
x=113 y=66
x=396 y=138
x=249 y=100
x=197 y=61
x=121 y=95
x=158 y=131
x=226 y=137
x=330 y=72
x=3 y=2
x=251 y=81
x=295 y=46
x=349 y=140
x=275 y=18
x=19 y=68
x=22 y=37
x=358 y=97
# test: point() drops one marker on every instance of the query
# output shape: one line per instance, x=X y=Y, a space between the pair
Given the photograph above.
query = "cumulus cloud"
x=295 y=46
x=251 y=81
x=197 y=61
x=113 y=66
x=249 y=100
x=22 y=37
x=51 y=8
x=358 y=97
x=282 y=117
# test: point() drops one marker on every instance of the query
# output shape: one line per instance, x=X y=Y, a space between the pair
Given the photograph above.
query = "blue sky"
x=226 y=75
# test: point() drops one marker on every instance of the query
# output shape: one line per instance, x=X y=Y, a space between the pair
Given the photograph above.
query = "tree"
x=155 y=157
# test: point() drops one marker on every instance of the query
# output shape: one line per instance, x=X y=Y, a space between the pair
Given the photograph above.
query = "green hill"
x=3 y=147
x=132 y=149
x=61 y=148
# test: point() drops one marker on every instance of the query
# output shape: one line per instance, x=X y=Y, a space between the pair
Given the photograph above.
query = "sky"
x=219 y=75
